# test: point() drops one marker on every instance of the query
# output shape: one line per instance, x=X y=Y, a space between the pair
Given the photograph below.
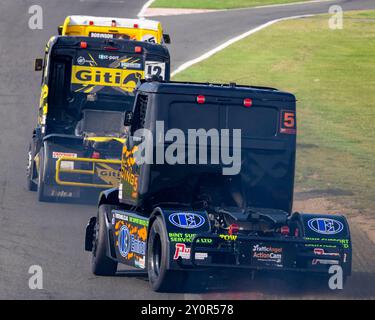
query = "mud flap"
x=328 y=228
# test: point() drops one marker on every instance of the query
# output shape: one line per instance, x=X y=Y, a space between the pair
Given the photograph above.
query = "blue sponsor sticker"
x=124 y=241
x=187 y=220
x=325 y=226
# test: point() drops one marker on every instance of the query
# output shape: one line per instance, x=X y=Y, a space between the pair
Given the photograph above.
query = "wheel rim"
x=29 y=163
x=156 y=255
x=95 y=240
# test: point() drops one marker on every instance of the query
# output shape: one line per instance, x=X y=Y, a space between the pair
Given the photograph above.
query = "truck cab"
x=207 y=179
x=87 y=85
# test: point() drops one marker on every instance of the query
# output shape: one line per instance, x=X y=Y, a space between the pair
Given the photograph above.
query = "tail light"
x=138 y=49
x=91 y=23
x=284 y=230
x=233 y=229
x=248 y=102
x=136 y=26
x=95 y=155
x=201 y=99
x=83 y=44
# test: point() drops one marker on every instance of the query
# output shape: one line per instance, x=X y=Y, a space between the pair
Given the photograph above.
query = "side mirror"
x=167 y=38
x=59 y=30
x=38 y=64
x=128 y=119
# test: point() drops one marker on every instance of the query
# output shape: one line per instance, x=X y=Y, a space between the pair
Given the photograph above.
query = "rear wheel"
x=101 y=264
x=41 y=177
x=30 y=171
x=161 y=279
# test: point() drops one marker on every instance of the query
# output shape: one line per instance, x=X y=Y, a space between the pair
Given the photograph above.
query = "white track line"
x=210 y=53
x=291 y=4
x=144 y=8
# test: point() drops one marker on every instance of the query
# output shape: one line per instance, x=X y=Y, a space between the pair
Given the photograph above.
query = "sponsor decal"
x=268 y=254
x=67 y=165
x=131 y=237
x=228 y=237
x=324 y=261
x=120 y=216
x=82 y=60
x=187 y=238
x=130 y=65
x=322 y=252
x=61 y=194
x=124 y=241
x=140 y=262
x=183 y=252
x=325 y=226
x=141 y=222
x=110 y=77
x=101 y=35
x=187 y=220
x=58 y=155
x=345 y=242
x=108 y=57
x=108 y=175
x=128 y=243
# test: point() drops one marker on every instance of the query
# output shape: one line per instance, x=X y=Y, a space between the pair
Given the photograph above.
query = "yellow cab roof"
x=83 y=25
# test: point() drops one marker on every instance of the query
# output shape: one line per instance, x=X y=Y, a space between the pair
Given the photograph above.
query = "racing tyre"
x=30 y=171
x=42 y=170
x=161 y=279
x=101 y=264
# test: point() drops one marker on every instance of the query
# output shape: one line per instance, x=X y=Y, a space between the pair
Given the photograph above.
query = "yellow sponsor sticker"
x=107 y=77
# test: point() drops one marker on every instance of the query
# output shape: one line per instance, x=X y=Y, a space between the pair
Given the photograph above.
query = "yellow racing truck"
x=88 y=84
x=114 y=28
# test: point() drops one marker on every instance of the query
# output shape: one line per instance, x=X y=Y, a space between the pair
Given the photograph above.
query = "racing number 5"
x=288 y=122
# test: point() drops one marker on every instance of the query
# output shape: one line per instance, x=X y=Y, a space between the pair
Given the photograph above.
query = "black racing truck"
x=87 y=85
x=182 y=209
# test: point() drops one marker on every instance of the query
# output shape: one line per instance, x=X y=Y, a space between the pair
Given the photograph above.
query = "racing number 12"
x=288 y=122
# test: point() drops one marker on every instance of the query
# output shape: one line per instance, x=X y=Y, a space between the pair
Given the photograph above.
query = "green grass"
x=332 y=73
x=216 y=4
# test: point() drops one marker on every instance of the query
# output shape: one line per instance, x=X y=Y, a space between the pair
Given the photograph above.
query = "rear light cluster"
x=284 y=230
x=248 y=102
x=233 y=229
x=138 y=49
x=95 y=155
x=83 y=45
x=201 y=99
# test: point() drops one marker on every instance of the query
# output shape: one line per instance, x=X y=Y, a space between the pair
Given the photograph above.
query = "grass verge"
x=216 y=4
x=332 y=73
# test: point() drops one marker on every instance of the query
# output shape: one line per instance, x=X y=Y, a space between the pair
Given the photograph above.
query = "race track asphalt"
x=51 y=235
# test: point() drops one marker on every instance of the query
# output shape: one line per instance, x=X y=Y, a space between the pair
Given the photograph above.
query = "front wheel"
x=161 y=279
